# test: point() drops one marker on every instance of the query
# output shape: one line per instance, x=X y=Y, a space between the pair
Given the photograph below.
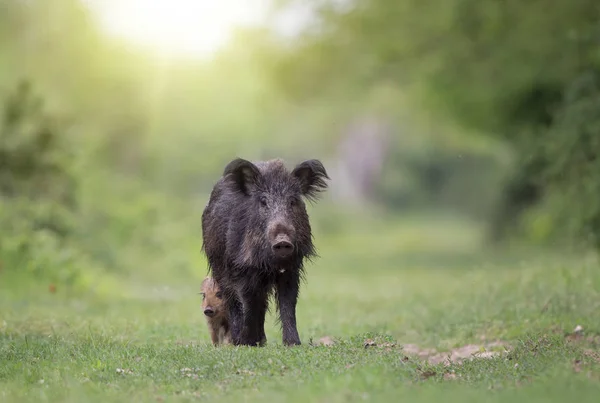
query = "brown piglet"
x=215 y=311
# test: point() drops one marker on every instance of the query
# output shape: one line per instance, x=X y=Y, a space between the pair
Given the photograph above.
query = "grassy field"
x=378 y=308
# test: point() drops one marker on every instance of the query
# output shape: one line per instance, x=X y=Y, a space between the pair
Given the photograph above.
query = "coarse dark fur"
x=214 y=309
x=256 y=235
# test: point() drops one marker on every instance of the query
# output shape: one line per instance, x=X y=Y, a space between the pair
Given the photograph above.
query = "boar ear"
x=311 y=174
x=243 y=173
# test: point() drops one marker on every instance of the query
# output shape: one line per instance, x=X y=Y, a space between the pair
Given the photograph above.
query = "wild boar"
x=257 y=235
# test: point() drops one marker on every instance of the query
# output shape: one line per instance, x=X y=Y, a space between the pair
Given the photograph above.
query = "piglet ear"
x=243 y=173
x=311 y=174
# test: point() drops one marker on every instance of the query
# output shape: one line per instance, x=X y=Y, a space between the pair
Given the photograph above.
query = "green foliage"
x=38 y=188
x=472 y=59
x=573 y=147
x=34 y=160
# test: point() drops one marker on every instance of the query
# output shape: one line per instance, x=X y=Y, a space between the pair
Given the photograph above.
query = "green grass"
x=137 y=341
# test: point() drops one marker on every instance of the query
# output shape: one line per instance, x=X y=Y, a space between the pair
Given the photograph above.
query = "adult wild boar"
x=256 y=236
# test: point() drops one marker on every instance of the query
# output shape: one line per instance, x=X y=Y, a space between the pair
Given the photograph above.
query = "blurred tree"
x=38 y=189
x=35 y=162
x=573 y=146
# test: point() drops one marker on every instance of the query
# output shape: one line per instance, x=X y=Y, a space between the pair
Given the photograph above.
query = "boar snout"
x=208 y=311
x=281 y=236
x=282 y=247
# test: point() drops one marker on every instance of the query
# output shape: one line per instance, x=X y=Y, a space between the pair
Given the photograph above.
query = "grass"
x=148 y=342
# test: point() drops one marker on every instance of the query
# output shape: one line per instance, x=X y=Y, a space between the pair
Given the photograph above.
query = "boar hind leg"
x=288 y=286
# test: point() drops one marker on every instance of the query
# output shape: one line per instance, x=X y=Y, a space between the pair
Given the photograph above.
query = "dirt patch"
x=594 y=355
x=578 y=336
x=456 y=355
x=326 y=341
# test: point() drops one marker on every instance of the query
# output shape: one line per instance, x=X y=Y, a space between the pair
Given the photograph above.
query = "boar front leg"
x=288 y=286
x=261 y=324
x=225 y=333
x=214 y=333
x=254 y=307
x=236 y=319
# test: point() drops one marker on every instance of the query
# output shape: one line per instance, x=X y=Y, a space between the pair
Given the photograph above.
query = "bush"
x=573 y=148
x=37 y=189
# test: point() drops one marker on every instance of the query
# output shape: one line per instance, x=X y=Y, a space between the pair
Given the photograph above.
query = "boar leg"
x=225 y=333
x=255 y=307
x=236 y=319
x=214 y=333
x=288 y=286
x=261 y=324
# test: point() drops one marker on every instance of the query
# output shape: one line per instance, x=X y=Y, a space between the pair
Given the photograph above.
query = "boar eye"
x=293 y=202
x=263 y=201
x=219 y=294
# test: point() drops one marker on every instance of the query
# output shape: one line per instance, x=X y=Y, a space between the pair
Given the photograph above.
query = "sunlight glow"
x=195 y=28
